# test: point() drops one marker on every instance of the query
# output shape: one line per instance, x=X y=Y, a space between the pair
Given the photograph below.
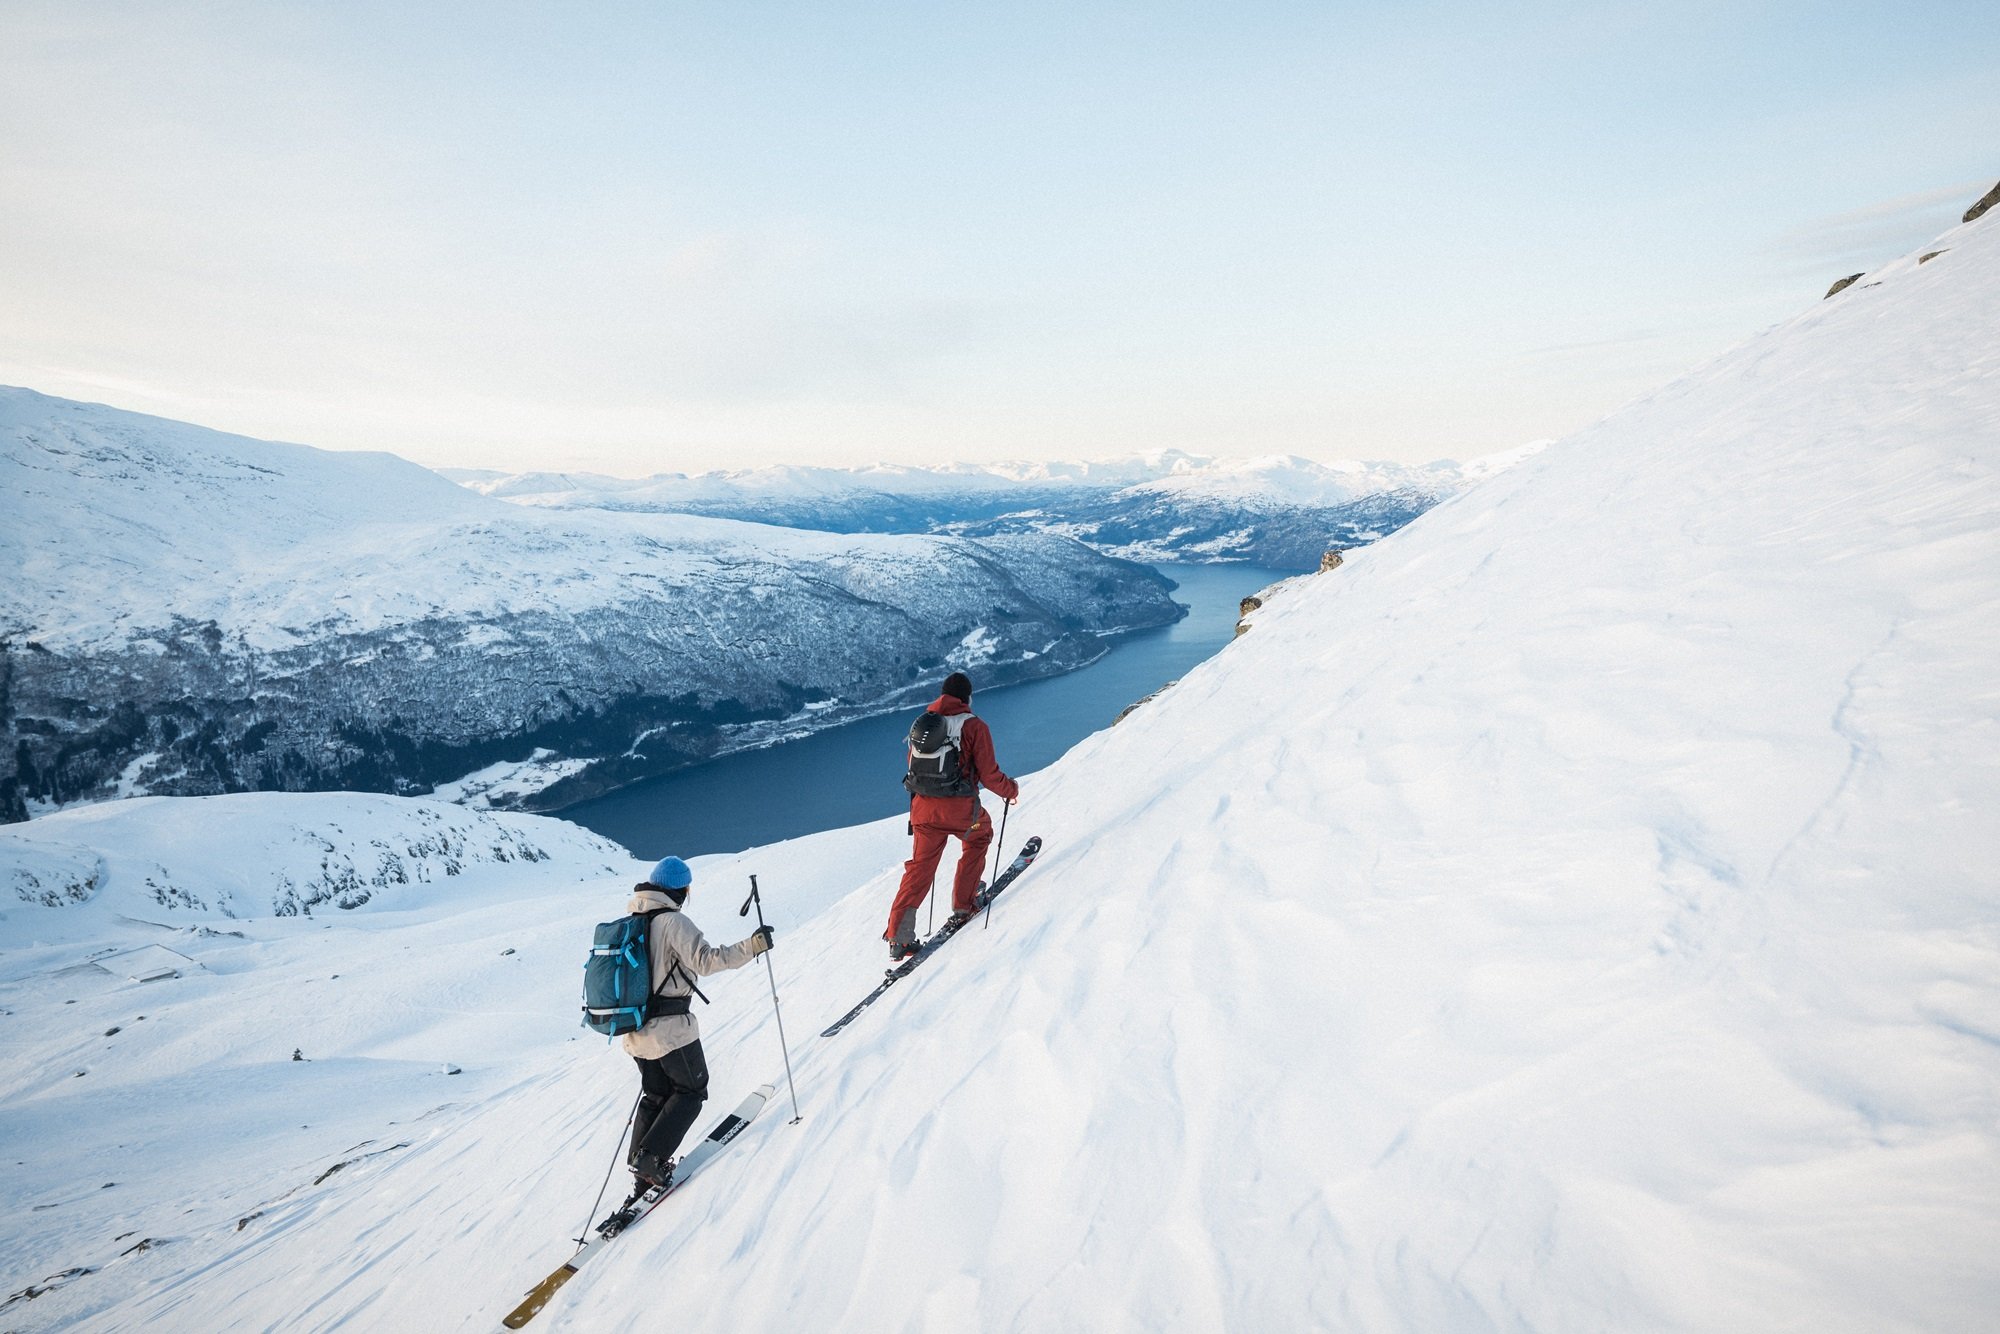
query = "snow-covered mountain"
x=198 y=612
x=1578 y=911
x=1171 y=505
x=160 y=861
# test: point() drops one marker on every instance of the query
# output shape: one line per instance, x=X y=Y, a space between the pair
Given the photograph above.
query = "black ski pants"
x=672 y=1090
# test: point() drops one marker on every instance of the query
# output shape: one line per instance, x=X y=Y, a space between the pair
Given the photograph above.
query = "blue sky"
x=648 y=237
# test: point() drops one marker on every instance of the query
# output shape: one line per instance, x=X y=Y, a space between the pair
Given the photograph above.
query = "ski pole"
x=757 y=899
x=629 y=1118
x=986 y=917
x=930 y=917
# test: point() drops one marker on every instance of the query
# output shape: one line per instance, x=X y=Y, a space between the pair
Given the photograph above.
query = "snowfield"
x=1579 y=911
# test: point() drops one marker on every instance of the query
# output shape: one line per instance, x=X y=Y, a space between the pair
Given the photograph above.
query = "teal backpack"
x=618 y=994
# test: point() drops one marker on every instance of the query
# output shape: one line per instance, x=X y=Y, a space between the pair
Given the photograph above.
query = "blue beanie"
x=671 y=873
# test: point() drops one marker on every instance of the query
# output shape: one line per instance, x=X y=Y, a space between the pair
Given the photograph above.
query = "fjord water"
x=850 y=774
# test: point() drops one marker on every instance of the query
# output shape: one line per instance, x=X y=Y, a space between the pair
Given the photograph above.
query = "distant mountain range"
x=193 y=612
x=1170 y=506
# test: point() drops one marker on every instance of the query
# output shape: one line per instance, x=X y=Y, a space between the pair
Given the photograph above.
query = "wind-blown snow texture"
x=198 y=612
x=1173 y=506
x=1579 y=911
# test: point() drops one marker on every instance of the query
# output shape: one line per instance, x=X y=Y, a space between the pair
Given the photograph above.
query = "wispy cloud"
x=1879 y=232
x=1594 y=344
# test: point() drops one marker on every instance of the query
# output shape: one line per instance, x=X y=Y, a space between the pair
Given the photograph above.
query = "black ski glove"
x=761 y=939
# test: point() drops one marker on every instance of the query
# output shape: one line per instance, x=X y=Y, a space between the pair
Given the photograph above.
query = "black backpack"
x=935 y=759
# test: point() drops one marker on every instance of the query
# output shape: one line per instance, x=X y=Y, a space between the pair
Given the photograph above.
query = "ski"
x=622 y=1219
x=902 y=970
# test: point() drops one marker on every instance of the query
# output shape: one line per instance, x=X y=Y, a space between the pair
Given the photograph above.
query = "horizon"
x=639 y=243
x=985 y=467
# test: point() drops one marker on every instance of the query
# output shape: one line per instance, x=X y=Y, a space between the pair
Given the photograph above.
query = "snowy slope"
x=449 y=996
x=1578 y=911
x=156 y=1129
x=119 y=522
x=197 y=612
x=173 y=863
x=115 y=518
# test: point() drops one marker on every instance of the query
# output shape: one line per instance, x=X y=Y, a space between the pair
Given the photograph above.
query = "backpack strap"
x=668 y=1001
x=656 y=1004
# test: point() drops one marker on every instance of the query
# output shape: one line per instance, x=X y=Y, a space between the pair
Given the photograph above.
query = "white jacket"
x=678 y=949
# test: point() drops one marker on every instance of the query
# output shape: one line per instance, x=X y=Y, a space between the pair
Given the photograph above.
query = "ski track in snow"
x=1578 y=911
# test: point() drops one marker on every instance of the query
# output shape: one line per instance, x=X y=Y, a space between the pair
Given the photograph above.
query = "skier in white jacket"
x=673 y=1073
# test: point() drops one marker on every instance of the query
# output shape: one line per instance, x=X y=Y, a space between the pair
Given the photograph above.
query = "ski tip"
x=538 y=1298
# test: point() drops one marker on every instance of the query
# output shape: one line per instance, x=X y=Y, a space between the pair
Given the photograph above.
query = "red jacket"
x=975 y=757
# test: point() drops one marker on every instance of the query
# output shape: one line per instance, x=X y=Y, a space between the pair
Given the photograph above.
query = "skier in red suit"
x=936 y=819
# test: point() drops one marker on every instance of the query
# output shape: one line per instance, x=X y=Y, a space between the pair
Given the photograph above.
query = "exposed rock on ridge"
x=1986 y=201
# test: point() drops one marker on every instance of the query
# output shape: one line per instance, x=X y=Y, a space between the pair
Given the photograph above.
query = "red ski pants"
x=921 y=870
